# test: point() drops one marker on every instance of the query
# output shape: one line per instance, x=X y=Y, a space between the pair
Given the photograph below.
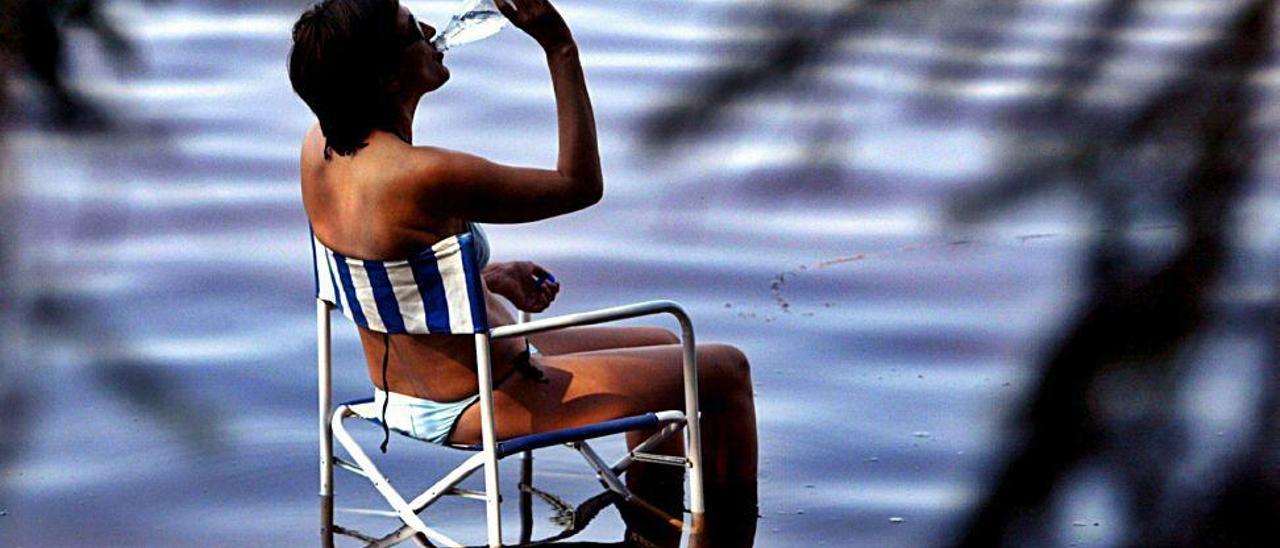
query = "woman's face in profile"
x=423 y=67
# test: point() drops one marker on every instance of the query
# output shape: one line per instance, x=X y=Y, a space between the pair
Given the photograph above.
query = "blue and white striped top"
x=437 y=291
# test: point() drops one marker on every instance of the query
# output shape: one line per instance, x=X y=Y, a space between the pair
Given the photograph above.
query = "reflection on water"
x=917 y=218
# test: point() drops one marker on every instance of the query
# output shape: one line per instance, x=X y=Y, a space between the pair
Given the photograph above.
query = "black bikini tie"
x=525 y=367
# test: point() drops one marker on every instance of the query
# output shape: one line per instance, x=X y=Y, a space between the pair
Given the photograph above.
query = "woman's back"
x=367 y=206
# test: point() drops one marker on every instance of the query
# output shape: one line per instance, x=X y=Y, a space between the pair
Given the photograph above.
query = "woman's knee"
x=730 y=365
x=654 y=336
x=668 y=336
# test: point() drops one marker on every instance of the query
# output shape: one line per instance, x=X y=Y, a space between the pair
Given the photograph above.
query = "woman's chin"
x=440 y=82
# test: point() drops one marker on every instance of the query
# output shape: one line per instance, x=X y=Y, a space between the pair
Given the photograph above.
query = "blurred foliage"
x=1189 y=146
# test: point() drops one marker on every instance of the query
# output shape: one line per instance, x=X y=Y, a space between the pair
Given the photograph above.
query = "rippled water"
x=172 y=403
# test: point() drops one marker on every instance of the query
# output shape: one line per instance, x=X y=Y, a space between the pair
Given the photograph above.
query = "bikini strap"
x=525 y=366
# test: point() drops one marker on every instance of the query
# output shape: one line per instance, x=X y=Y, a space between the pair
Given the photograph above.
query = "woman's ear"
x=389 y=81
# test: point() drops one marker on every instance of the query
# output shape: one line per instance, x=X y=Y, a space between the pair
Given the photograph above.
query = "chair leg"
x=401 y=507
x=448 y=482
x=693 y=417
x=493 y=498
x=614 y=484
x=484 y=374
x=653 y=441
x=326 y=520
x=526 y=497
x=324 y=369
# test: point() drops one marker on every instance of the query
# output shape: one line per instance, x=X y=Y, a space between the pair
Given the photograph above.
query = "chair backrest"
x=437 y=291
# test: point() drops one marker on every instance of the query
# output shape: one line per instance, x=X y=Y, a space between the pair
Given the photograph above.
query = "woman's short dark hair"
x=344 y=54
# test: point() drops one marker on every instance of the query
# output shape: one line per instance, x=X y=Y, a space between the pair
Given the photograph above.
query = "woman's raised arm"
x=469 y=187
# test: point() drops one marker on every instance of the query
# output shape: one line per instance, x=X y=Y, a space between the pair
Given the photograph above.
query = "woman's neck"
x=406 y=107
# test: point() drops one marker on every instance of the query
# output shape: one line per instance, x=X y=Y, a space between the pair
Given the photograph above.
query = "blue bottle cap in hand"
x=544 y=278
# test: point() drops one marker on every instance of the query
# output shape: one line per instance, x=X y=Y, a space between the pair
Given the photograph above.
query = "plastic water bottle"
x=474 y=20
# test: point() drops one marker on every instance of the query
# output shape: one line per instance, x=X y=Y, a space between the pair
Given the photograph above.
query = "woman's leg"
x=588 y=387
x=587 y=339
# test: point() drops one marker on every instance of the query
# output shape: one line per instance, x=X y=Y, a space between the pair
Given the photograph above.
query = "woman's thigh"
x=587 y=339
x=589 y=387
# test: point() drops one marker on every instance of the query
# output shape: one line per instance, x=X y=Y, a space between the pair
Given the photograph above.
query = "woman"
x=362 y=67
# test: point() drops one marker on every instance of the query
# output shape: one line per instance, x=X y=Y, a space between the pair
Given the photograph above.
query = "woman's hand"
x=528 y=286
x=538 y=19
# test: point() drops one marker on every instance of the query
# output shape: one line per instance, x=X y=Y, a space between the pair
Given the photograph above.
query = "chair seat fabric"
x=367 y=410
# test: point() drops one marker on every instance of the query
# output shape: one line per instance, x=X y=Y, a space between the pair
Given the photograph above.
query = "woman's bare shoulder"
x=431 y=160
x=434 y=169
x=312 y=143
x=468 y=186
x=309 y=156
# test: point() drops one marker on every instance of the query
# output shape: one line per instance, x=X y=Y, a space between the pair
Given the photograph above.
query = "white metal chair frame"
x=331 y=427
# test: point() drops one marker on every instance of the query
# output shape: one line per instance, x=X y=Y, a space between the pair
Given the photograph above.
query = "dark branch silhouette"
x=1140 y=316
x=1134 y=324
x=34 y=33
x=789 y=49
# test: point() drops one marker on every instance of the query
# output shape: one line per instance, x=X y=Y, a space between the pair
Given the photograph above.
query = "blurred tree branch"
x=1137 y=321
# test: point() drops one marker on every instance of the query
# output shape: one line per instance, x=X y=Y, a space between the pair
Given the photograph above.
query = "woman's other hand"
x=539 y=19
x=528 y=286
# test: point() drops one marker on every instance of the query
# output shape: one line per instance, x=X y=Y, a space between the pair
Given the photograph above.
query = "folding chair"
x=439 y=291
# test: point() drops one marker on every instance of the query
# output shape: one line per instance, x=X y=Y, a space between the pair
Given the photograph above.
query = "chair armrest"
x=689 y=359
x=593 y=317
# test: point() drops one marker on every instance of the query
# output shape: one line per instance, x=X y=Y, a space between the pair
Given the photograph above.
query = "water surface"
x=169 y=382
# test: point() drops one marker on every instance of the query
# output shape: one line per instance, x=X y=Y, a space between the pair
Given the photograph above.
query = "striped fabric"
x=437 y=291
